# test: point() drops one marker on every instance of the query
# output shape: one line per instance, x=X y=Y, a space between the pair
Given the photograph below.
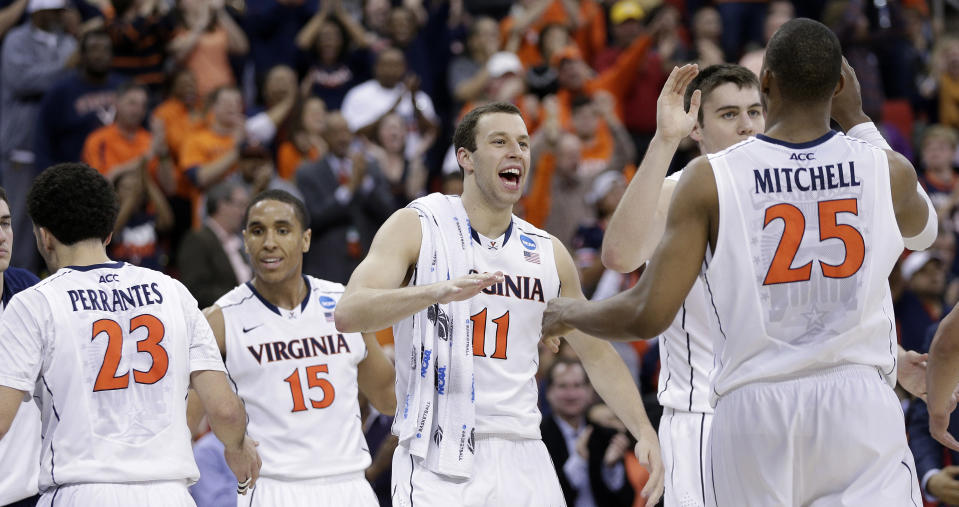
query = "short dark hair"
x=219 y=193
x=806 y=58
x=74 y=202
x=465 y=135
x=299 y=209
x=98 y=32
x=715 y=76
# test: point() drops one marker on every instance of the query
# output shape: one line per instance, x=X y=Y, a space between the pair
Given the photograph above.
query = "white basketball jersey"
x=297 y=377
x=807 y=239
x=20 y=452
x=110 y=348
x=506 y=321
x=686 y=352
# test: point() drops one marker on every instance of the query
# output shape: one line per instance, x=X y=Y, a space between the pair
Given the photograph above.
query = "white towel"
x=441 y=391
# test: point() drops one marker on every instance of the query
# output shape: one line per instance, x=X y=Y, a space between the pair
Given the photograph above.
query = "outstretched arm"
x=637 y=224
x=375 y=297
x=646 y=310
x=942 y=376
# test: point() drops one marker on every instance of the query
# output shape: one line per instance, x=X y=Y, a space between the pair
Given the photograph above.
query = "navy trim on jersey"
x=689 y=359
x=91 y=267
x=412 y=469
x=509 y=231
x=798 y=146
x=892 y=334
x=273 y=307
x=53 y=456
x=912 y=479
x=702 y=467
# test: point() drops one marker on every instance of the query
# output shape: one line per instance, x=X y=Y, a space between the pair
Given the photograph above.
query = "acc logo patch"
x=327 y=302
x=528 y=242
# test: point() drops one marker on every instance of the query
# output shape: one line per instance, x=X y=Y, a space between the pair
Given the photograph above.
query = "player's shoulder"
x=319 y=285
x=235 y=298
x=749 y=142
x=533 y=235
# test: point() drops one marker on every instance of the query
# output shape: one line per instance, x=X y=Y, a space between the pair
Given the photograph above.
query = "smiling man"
x=296 y=374
x=466 y=282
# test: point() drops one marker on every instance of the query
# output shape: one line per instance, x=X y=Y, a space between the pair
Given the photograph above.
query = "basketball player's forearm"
x=617 y=318
x=613 y=382
x=628 y=241
x=366 y=310
x=942 y=370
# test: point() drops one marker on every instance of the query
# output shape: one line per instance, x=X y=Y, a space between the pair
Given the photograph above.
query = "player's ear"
x=465 y=159
x=697 y=133
x=307 y=237
x=765 y=81
x=107 y=241
x=840 y=85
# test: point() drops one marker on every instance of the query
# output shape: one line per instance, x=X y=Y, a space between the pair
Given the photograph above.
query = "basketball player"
x=19 y=453
x=295 y=373
x=109 y=350
x=515 y=269
x=731 y=112
x=804 y=317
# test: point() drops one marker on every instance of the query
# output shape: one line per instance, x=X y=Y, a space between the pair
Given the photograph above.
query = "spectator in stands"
x=779 y=13
x=211 y=257
x=404 y=168
x=603 y=196
x=921 y=303
x=257 y=173
x=467 y=76
x=522 y=28
x=125 y=145
x=542 y=77
x=742 y=22
x=947 y=70
x=280 y=94
x=390 y=90
x=271 y=27
x=336 y=46
x=33 y=56
x=604 y=145
x=144 y=215
x=216 y=486
x=305 y=142
x=179 y=113
x=851 y=24
x=140 y=31
x=349 y=200
x=210 y=154
x=208 y=35
x=707 y=34
x=79 y=103
x=588 y=458
x=937 y=154
x=10 y=15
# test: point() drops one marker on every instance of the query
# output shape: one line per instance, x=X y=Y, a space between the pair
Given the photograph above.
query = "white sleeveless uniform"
x=806 y=357
x=686 y=361
x=512 y=465
x=20 y=452
x=110 y=349
x=297 y=377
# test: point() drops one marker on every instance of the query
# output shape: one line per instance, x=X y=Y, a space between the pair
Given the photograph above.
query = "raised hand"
x=673 y=122
x=847 y=104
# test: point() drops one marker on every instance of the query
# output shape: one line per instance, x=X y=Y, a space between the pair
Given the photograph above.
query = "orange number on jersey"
x=850 y=237
x=479 y=334
x=312 y=380
x=794 y=225
x=107 y=379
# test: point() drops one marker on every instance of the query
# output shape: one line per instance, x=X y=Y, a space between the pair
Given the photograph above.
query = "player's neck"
x=797 y=124
x=485 y=219
x=287 y=294
x=83 y=253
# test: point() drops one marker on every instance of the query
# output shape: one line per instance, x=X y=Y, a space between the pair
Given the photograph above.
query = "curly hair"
x=806 y=58
x=74 y=202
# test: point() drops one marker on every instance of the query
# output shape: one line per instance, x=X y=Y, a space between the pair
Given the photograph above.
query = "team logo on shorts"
x=527 y=242
x=441 y=320
x=327 y=302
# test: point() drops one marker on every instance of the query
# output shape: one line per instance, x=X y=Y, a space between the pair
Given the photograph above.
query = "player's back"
x=118 y=344
x=807 y=239
x=297 y=376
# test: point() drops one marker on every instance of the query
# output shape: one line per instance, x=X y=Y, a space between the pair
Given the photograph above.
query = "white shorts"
x=346 y=490
x=505 y=472
x=834 y=437
x=141 y=494
x=684 y=438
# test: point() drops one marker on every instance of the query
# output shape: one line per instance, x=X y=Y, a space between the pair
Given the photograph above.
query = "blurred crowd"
x=190 y=107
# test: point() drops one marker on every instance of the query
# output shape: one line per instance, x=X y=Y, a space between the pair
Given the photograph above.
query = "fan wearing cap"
x=920 y=304
x=33 y=56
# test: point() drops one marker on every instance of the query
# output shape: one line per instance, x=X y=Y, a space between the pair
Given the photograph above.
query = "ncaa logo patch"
x=327 y=302
x=528 y=242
